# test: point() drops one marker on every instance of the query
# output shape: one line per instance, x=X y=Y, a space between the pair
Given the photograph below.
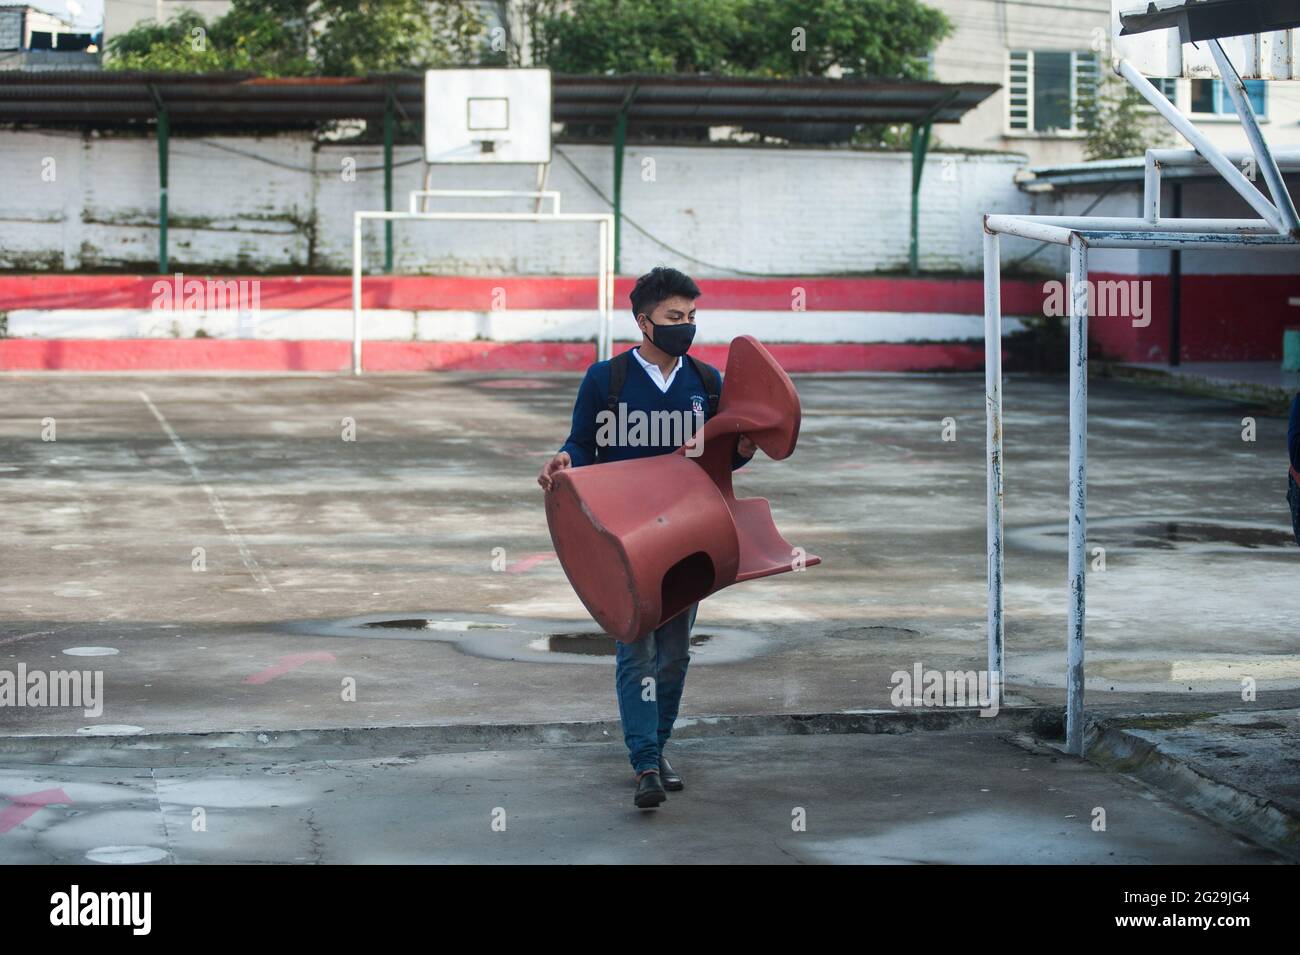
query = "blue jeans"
x=1293 y=498
x=650 y=675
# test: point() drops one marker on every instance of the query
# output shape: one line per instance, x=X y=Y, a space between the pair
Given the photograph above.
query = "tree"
x=774 y=38
x=634 y=36
x=883 y=39
x=271 y=37
x=388 y=36
x=1117 y=121
x=306 y=37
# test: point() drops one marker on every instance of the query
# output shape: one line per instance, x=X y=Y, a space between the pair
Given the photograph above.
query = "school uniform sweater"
x=686 y=396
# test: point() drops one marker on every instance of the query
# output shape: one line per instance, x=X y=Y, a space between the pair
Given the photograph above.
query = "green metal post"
x=164 y=134
x=389 y=122
x=620 y=139
x=920 y=145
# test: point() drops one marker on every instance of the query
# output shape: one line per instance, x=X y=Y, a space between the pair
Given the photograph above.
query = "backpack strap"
x=617 y=376
x=712 y=382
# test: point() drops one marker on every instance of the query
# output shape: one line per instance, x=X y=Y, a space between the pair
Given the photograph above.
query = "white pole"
x=1185 y=240
x=601 y=348
x=1264 y=158
x=356 y=293
x=993 y=435
x=1078 y=493
x=1290 y=158
x=1020 y=226
x=609 y=291
x=1213 y=155
x=1135 y=224
x=1151 y=189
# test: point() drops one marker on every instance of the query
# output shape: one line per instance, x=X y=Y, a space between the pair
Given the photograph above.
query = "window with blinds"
x=1044 y=88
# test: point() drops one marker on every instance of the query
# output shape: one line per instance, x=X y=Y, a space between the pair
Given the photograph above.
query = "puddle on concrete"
x=594 y=644
x=1167 y=535
x=110 y=729
x=522 y=639
x=421 y=623
x=126 y=855
x=1161 y=533
x=875 y=633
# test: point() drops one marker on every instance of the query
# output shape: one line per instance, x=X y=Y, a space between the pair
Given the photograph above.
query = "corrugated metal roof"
x=111 y=98
x=1129 y=169
x=1207 y=19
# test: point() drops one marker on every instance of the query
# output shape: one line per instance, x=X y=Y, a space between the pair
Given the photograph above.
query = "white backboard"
x=487 y=116
x=1258 y=56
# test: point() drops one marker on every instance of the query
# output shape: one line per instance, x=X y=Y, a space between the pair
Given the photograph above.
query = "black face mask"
x=673 y=340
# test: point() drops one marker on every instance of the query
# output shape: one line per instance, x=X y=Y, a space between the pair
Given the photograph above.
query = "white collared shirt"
x=655 y=374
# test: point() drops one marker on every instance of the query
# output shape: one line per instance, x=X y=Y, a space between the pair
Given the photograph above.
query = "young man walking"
x=655 y=377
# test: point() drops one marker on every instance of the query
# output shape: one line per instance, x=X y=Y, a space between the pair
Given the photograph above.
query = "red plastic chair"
x=642 y=540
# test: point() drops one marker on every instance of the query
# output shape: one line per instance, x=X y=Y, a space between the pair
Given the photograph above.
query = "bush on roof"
x=307 y=38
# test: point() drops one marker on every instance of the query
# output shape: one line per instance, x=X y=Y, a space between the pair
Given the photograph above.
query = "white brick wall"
x=715 y=210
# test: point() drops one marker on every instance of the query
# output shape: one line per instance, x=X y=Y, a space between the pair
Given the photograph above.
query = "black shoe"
x=649 y=790
x=671 y=780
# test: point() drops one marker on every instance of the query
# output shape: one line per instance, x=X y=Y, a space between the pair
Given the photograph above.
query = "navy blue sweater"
x=685 y=397
x=1293 y=433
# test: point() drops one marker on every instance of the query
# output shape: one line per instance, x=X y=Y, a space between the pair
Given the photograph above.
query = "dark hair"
x=658 y=284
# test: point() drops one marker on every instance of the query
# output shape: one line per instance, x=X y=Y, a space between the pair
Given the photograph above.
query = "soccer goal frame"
x=605 y=269
x=1278 y=228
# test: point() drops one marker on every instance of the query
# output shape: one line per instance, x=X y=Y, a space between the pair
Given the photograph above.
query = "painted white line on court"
x=231 y=531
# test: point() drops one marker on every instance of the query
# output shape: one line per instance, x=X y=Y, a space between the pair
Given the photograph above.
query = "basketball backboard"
x=1159 y=49
x=487 y=116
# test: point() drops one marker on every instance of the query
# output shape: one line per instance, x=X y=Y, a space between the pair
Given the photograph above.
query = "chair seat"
x=642 y=540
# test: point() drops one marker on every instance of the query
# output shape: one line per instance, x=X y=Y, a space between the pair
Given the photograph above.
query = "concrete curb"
x=256 y=746
x=1117 y=748
x=1273 y=396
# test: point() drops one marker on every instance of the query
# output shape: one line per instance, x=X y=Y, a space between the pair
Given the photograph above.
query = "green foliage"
x=385 y=36
x=179 y=45
x=1118 y=122
x=764 y=38
x=306 y=37
x=868 y=38
x=771 y=38
x=635 y=36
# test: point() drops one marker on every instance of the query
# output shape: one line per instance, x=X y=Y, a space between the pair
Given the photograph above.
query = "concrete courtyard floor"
x=231 y=563
x=947 y=798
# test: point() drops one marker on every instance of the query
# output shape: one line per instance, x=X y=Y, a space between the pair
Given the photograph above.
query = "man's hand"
x=745 y=447
x=560 y=462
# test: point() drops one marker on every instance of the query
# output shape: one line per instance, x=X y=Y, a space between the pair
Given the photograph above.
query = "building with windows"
x=32 y=39
x=121 y=15
x=1047 y=55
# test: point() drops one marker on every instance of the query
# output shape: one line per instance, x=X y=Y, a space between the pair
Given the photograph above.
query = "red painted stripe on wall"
x=1238 y=320
x=1115 y=337
x=1224 y=318
x=218 y=355
x=958 y=296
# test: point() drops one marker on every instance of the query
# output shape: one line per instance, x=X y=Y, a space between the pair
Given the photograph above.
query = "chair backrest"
x=636 y=560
